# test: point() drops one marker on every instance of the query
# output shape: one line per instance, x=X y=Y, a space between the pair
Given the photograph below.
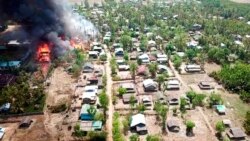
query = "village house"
x=146 y=100
x=84 y=114
x=205 y=85
x=88 y=67
x=138 y=124
x=193 y=68
x=97 y=48
x=162 y=68
x=93 y=54
x=127 y=97
x=92 y=80
x=88 y=97
x=91 y=126
x=91 y=88
x=119 y=52
x=236 y=133
x=149 y=85
x=173 y=125
x=162 y=58
x=173 y=99
x=142 y=70
x=173 y=84
x=130 y=87
x=144 y=58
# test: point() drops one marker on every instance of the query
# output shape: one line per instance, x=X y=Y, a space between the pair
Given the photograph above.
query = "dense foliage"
x=237 y=79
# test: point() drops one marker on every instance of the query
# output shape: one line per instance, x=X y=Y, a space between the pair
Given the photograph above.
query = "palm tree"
x=133 y=68
x=92 y=111
x=160 y=79
x=153 y=68
x=190 y=125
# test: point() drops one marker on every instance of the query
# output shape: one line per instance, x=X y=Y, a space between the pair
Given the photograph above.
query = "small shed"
x=173 y=99
x=130 y=87
x=93 y=54
x=205 y=85
x=126 y=98
x=146 y=100
x=227 y=122
x=88 y=67
x=25 y=123
x=173 y=84
x=173 y=125
x=119 y=52
x=221 y=109
x=193 y=68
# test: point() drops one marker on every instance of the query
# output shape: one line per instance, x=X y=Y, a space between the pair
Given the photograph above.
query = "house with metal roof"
x=138 y=124
x=149 y=85
x=119 y=52
x=236 y=133
x=88 y=97
x=84 y=114
x=173 y=84
x=91 y=126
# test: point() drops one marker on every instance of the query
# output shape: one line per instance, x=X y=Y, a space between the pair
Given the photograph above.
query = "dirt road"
x=109 y=92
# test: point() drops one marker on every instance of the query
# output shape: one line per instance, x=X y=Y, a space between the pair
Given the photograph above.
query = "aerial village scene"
x=125 y=70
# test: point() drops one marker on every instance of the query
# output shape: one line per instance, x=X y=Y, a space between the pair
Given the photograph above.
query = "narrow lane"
x=109 y=93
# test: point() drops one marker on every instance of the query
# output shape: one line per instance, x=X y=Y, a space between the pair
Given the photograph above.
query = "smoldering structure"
x=51 y=23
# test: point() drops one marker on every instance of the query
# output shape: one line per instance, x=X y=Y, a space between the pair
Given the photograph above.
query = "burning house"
x=52 y=28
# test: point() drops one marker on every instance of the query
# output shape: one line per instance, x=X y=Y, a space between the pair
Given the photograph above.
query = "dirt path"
x=109 y=92
x=187 y=88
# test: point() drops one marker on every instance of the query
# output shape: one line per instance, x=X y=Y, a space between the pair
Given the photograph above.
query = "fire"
x=77 y=43
x=43 y=53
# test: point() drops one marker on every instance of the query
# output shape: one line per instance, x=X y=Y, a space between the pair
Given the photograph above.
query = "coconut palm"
x=153 y=68
x=133 y=68
x=160 y=79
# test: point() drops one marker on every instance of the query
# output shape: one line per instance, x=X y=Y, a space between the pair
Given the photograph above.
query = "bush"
x=246 y=123
x=153 y=138
x=77 y=131
x=134 y=137
x=215 y=99
x=122 y=91
x=97 y=136
x=103 y=57
x=245 y=96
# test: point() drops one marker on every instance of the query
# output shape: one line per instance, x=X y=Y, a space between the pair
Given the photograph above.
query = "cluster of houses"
x=92 y=75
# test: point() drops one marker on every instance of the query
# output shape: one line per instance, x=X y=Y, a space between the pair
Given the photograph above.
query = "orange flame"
x=43 y=53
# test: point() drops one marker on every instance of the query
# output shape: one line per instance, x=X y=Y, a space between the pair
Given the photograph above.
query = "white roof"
x=148 y=82
x=138 y=119
x=146 y=98
x=97 y=47
x=162 y=67
x=144 y=56
x=123 y=66
x=95 y=44
x=161 y=56
x=94 y=52
x=89 y=95
x=91 y=88
x=162 y=59
x=120 y=61
x=118 y=49
x=248 y=22
x=193 y=66
x=173 y=82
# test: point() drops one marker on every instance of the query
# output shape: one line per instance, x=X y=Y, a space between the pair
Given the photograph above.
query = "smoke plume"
x=45 y=19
